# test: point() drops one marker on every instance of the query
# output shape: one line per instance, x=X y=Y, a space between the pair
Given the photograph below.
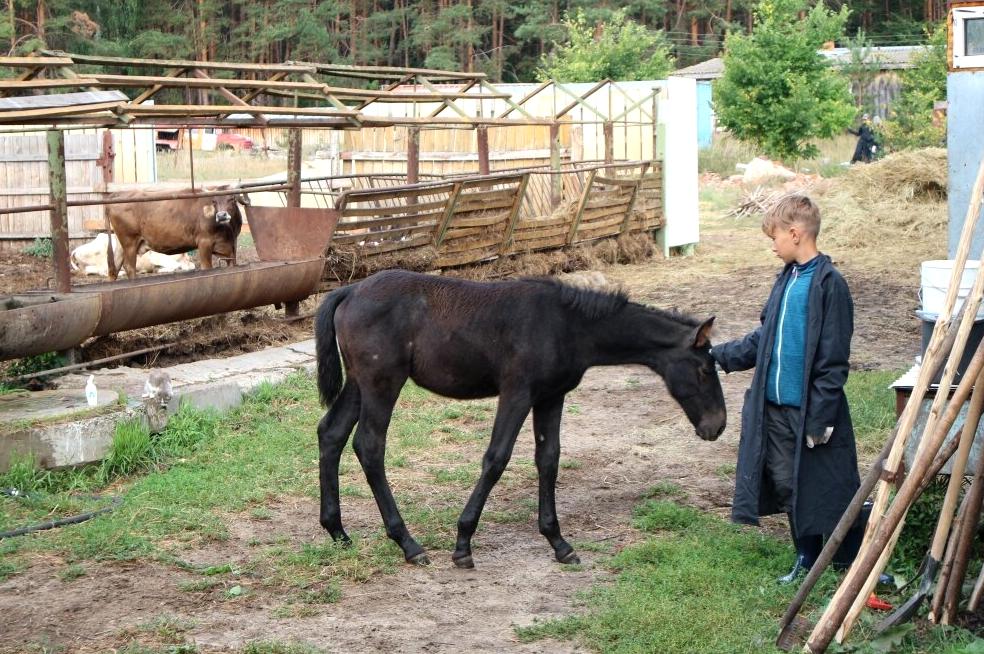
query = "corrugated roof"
x=886 y=58
x=62 y=100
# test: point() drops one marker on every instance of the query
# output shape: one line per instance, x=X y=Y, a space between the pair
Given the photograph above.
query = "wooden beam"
x=198 y=110
x=179 y=63
x=26 y=114
x=230 y=96
x=30 y=85
x=376 y=72
x=149 y=93
x=518 y=106
x=441 y=108
x=507 y=238
x=580 y=99
x=201 y=82
x=32 y=62
x=580 y=206
x=445 y=103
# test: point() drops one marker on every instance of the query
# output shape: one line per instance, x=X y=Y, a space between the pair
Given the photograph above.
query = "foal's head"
x=689 y=373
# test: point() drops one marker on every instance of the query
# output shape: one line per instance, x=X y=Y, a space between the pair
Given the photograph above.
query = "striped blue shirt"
x=784 y=383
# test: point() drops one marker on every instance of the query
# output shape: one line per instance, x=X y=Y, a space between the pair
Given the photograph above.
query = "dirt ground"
x=627 y=434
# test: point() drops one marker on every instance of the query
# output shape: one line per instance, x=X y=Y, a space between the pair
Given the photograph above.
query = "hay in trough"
x=346 y=264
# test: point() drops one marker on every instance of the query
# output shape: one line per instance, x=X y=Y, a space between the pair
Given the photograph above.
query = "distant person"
x=797 y=451
x=867 y=145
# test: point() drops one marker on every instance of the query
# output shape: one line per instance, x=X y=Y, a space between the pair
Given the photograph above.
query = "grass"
x=726 y=151
x=872 y=405
x=217 y=166
x=693 y=570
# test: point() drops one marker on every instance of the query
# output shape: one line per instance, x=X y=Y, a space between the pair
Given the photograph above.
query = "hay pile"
x=629 y=248
x=889 y=207
x=898 y=202
x=345 y=264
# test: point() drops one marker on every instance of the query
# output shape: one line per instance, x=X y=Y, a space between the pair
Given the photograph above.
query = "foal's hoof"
x=419 y=559
x=464 y=562
x=569 y=558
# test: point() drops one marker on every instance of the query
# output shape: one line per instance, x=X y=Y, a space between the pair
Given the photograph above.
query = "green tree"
x=619 y=49
x=777 y=91
x=911 y=123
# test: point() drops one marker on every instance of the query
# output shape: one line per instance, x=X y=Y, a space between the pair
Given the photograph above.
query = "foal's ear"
x=702 y=334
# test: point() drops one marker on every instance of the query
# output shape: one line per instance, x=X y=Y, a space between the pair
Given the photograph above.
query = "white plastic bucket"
x=935 y=280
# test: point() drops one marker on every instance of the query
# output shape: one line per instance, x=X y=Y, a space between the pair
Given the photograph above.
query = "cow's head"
x=223 y=209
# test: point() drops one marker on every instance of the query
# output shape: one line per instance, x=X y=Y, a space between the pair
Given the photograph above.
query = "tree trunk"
x=40 y=22
x=13 y=25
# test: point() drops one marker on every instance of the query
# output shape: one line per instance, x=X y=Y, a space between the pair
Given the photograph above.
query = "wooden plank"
x=591 y=215
x=448 y=214
x=469 y=195
x=428 y=218
x=499 y=218
x=206 y=109
x=32 y=62
x=602 y=223
x=502 y=203
x=470 y=244
x=182 y=63
x=49 y=112
x=27 y=85
x=394 y=246
x=614 y=181
x=537 y=223
x=397 y=192
x=607 y=204
x=580 y=206
x=532 y=235
x=382 y=236
x=390 y=210
x=539 y=244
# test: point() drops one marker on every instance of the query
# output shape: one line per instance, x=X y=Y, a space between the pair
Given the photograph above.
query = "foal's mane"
x=595 y=302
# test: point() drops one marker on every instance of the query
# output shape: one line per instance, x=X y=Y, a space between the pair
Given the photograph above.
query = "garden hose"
x=115 y=501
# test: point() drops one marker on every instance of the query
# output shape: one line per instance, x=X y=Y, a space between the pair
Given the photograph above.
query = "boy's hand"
x=821 y=439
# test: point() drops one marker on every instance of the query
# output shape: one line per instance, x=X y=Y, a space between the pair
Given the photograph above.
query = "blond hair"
x=793 y=209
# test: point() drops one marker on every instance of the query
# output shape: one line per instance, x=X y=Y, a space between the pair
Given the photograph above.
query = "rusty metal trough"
x=290 y=242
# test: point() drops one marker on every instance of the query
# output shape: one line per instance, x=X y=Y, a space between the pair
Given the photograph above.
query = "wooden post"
x=294 y=167
x=580 y=206
x=507 y=238
x=609 y=130
x=656 y=156
x=58 y=194
x=413 y=155
x=556 y=182
x=292 y=309
x=483 y=149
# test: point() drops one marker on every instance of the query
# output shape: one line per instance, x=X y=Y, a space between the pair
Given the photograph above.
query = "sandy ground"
x=627 y=434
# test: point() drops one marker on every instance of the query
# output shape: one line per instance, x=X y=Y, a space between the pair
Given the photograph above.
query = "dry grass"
x=217 y=166
x=895 y=208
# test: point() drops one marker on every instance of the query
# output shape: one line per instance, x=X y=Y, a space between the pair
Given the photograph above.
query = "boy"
x=797 y=452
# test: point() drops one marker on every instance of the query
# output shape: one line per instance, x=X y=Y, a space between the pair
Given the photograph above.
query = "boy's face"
x=786 y=242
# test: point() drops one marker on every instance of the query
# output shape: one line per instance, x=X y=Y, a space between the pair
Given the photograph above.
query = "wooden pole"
x=875 y=550
x=482 y=134
x=934 y=354
x=294 y=155
x=968 y=531
x=58 y=197
x=956 y=476
x=609 y=130
x=556 y=182
x=413 y=155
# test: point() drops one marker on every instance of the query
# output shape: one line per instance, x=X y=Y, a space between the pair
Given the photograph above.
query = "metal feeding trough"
x=291 y=233
x=290 y=242
x=45 y=322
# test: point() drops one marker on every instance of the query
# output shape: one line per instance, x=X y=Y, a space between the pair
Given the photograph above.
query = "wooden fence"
x=464 y=220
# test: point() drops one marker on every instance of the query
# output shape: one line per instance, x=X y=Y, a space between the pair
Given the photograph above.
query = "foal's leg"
x=370 y=447
x=546 y=433
x=509 y=418
x=333 y=433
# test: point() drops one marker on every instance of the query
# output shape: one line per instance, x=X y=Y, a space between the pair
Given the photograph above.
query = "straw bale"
x=345 y=264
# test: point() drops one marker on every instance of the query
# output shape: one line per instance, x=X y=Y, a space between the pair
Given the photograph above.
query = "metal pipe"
x=94 y=362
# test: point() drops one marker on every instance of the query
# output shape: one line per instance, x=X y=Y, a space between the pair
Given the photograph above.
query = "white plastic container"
x=91 y=393
x=935 y=280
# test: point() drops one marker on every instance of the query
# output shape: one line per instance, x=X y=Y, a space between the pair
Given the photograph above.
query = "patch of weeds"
x=72 y=572
x=273 y=647
x=131 y=451
x=571 y=464
x=661 y=515
x=600 y=546
x=330 y=594
x=632 y=382
x=235 y=592
x=521 y=513
x=726 y=471
x=348 y=490
x=573 y=567
x=168 y=628
x=8 y=568
x=261 y=513
x=32 y=364
x=42 y=248
x=574 y=409
x=663 y=489
x=460 y=476
x=199 y=585
x=25 y=475
x=187 y=428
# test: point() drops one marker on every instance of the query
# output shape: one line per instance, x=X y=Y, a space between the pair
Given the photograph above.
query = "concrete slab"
x=60 y=430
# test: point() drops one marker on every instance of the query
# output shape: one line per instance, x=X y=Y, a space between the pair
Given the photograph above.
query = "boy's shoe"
x=801 y=566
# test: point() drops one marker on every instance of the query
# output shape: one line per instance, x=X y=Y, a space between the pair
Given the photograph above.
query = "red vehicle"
x=233 y=141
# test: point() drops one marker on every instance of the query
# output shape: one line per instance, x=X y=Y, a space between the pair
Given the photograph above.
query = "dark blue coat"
x=826 y=476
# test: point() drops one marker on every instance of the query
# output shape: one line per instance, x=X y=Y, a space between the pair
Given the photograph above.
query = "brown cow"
x=210 y=224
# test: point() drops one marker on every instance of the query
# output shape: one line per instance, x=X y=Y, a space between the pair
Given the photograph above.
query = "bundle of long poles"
x=888 y=513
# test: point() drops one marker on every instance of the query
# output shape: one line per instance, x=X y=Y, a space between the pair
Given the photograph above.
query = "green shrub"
x=40 y=248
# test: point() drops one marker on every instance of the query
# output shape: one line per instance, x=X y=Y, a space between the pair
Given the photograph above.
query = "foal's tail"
x=326 y=349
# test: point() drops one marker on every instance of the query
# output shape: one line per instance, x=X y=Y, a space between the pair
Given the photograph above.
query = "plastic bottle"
x=91 y=394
